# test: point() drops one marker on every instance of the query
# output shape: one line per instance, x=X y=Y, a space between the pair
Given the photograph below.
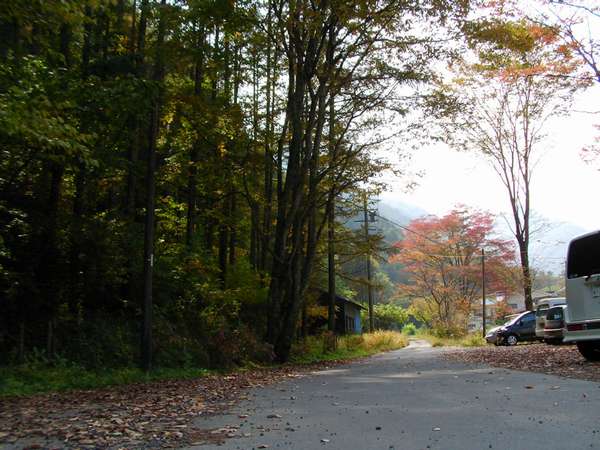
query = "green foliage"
x=313 y=349
x=387 y=316
x=409 y=329
x=38 y=376
x=464 y=340
x=85 y=103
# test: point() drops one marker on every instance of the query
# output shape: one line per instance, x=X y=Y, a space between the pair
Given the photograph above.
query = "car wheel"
x=590 y=350
x=511 y=340
x=554 y=341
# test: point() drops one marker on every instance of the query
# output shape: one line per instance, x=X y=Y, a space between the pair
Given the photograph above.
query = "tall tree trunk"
x=9 y=37
x=21 y=344
x=224 y=242
x=331 y=203
x=149 y=224
x=132 y=36
x=192 y=192
x=50 y=272
x=268 y=159
x=76 y=295
x=233 y=231
x=525 y=270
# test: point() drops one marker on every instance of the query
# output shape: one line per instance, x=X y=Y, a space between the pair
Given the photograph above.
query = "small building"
x=475 y=321
x=347 y=313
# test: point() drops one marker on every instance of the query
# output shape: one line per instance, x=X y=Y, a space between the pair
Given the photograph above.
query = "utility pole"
x=483 y=288
x=369 y=287
x=331 y=213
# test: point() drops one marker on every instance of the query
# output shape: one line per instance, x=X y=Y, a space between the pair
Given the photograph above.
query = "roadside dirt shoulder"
x=156 y=414
x=563 y=360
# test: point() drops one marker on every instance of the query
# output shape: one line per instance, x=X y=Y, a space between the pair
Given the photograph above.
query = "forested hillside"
x=169 y=169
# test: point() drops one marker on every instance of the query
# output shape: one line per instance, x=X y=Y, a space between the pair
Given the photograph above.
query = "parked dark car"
x=491 y=336
x=554 y=327
x=520 y=328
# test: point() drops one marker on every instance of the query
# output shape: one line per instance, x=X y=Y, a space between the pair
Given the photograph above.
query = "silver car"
x=540 y=313
x=554 y=330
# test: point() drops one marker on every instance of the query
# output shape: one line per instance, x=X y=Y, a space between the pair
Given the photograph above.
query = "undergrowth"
x=39 y=376
x=27 y=379
x=469 y=340
x=315 y=348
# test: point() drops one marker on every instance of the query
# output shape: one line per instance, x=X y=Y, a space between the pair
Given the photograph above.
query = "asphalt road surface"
x=414 y=399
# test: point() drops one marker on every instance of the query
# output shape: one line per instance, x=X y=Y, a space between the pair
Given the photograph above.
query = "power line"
x=408 y=229
x=424 y=237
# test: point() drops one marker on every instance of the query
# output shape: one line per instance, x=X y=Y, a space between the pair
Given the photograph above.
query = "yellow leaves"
x=221 y=150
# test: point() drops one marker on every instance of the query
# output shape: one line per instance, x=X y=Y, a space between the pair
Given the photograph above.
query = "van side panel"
x=583 y=278
x=583 y=298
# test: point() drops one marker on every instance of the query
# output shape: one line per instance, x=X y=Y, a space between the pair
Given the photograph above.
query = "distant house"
x=476 y=314
x=347 y=313
x=516 y=301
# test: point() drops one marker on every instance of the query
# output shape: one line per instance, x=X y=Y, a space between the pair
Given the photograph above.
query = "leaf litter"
x=153 y=415
x=561 y=360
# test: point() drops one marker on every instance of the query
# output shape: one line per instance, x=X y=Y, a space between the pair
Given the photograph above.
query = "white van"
x=583 y=294
x=541 y=309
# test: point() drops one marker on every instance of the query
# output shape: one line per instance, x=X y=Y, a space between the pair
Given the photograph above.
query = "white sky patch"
x=564 y=188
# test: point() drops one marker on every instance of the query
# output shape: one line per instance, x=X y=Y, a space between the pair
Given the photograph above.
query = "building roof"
x=339 y=299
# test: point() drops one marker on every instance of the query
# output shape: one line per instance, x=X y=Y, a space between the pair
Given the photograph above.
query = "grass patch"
x=470 y=340
x=31 y=379
x=39 y=377
x=314 y=349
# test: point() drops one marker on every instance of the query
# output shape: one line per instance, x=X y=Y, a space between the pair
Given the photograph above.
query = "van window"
x=584 y=256
x=541 y=310
x=555 y=314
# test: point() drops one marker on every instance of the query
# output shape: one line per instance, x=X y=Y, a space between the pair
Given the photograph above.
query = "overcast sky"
x=564 y=187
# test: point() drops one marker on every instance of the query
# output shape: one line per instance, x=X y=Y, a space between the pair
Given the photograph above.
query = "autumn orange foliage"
x=443 y=258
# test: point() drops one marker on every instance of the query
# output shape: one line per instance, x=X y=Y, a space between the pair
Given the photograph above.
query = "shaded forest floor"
x=160 y=413
x=561 y=360
x=155 y=414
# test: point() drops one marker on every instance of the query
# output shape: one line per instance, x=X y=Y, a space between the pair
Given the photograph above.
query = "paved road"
x=413 y=399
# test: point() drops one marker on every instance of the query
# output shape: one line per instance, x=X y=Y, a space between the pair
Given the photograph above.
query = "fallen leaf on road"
x=160 y=413
x=555 y=360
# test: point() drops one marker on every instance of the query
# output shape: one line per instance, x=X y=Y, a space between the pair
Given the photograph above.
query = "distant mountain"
x=548 y=247
x=400 y=212
x=384 y=219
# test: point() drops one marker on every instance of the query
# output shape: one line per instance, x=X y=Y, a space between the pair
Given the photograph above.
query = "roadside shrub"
x=354 y=341
x=99 y=342
x=229 y=348
x=387 y=316
x=409 y=329
x=451 y=332
x=473 y=340
x=384 y=340
x=329 y=342
x=469 y=340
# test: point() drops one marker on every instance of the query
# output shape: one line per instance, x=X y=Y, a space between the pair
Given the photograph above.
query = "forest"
x=176 y=176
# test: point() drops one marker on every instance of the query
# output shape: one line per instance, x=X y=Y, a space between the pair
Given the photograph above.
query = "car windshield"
x=516 y=319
